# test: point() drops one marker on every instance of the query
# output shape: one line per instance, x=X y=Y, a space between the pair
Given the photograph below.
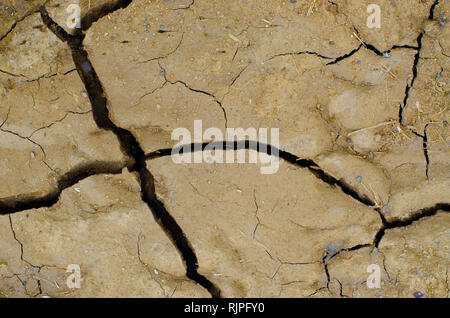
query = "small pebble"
x=418 y=294
x=438 y=76
x=332 y=43
x=386 y=54
x=293 y=1
x=359 y=179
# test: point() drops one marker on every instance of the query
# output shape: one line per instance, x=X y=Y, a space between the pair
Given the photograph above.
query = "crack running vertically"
x=415 y=64
x=130 y=147
x=425 y=150
x=325 y=266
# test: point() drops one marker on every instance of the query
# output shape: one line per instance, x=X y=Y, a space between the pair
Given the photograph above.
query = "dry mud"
x=86 y=116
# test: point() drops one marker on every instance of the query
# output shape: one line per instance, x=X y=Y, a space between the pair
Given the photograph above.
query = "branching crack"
x=213 y=97
x=129 y=145
x=415 y=64
x=415 y=216
x=132 y=149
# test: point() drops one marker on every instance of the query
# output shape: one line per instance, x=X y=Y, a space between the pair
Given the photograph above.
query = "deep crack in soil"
x=267 y=149
x=21 y=203
x=135 y=152
x=129 y=145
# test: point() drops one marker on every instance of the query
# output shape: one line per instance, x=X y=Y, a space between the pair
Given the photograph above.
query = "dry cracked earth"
x=86 y=116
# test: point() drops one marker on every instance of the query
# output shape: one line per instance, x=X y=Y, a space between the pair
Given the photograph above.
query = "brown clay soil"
x=86 y=117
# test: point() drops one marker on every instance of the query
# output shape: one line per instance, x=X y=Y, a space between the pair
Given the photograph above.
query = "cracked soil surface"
x=86 y=117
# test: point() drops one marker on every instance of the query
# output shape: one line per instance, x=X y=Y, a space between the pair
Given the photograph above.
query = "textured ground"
x=86 y=117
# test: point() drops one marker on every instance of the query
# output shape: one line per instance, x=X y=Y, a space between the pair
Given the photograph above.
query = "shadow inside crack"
x=416 y=216
x=24 y=202
x=269 y=150
x=128 y=143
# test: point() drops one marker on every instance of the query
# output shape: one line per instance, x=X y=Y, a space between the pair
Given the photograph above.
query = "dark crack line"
x=425 y=150
x=364 y=44
x=130 y=147
x=23 y=137
x=20 y=203
x=16 y=239
x=403 y=106
x=6 y=117
x=267 y=149
x=416 y=216
x=298 y=53
x=20 y=19
x=424 y=138
x=99 y=12
x=415 y=64
x=433 y=6
x=9 y=30
x=414 y=71
x=327 y=257
x=325 y=266
x=215 y=99
x=10 y=74
x=372 y=48
x=337 y=60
